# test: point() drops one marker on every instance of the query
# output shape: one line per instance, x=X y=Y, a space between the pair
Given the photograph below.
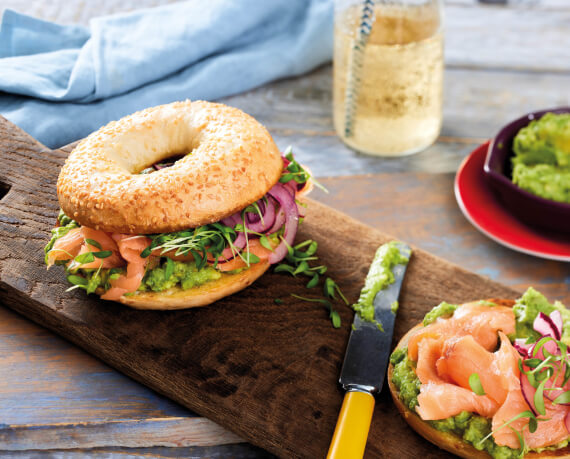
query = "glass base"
x=398 y=154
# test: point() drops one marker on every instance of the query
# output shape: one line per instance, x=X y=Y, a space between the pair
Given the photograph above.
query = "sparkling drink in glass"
x=388 y=74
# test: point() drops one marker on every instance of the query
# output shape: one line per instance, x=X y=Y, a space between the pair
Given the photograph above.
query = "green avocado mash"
x=541 y=164
x=379 y=277
x=442 y=309
x=527 y=308
x=183 y=273
x=471 y=427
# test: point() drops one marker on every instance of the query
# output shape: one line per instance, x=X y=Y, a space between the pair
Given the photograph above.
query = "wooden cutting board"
x=268 y=372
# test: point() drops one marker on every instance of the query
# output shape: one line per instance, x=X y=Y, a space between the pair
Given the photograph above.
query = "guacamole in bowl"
x=528 y=167
x=541 y=161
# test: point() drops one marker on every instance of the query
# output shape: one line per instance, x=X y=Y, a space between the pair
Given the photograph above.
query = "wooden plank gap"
x=169 y=432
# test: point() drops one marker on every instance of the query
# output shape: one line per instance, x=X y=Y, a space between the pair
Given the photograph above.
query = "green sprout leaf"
x=314 y=281
x=102 y=254
x=283 y=268
x=264 y=241
x=532 y=424
x=85 y=258
x=301 y=268
x=335 y=318
x=168 y=268
x=76 y=280
x=539 y=398
x=562 y=399
x=333 y=314
x=475 y=384
x=94 y=243
x=250 y=258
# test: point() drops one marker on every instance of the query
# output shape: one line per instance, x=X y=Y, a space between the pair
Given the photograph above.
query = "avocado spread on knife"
x=379 y=277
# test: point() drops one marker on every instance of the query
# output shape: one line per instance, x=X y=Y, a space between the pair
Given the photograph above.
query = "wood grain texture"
x=170 y=432
x=421 y=208
x=267 y=372
x=518 y=35
x=239 y=451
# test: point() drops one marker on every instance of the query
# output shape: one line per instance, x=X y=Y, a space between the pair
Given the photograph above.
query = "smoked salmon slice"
x=480 y=321
x=429 y=352
x=463 y=356
x=130 y=248
x=66 y=247
x=442 y=400
x=106 y=243
x=438 y=398
x=75 y=243
x=126 y=250
x=255 y=247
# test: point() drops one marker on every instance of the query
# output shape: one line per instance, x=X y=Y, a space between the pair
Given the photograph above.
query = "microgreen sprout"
x=294 y=171
x=200 y=242
x=547 y=369
x=533 y=423
x=475 y=384
x=333 y=313
x=94 y=243
x=297 y=263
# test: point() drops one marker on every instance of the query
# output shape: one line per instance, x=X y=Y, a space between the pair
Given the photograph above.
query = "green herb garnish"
x=475 y=384
x=294 y=171
x=333 y=314
x=296 y=263
x=94 y=243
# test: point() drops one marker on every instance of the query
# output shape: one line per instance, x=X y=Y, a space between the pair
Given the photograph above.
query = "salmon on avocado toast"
x=488 y=378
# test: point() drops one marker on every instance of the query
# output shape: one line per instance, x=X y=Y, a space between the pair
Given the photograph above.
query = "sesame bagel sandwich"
x=488 y=378
x=175 y=206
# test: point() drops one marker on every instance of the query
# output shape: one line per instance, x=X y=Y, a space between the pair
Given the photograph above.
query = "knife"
x=364 y=368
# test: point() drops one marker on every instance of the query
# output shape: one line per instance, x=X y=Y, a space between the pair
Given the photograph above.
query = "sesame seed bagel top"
x=230 y=161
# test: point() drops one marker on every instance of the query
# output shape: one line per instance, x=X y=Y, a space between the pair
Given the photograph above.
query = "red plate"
x=484 y=210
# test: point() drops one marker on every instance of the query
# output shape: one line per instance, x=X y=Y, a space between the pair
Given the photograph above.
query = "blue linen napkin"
x=60 y=83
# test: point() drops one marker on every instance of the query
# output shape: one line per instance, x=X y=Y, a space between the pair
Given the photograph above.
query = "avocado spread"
x=379 y=277
x=471 y=427
x=442 y=309
x=186 y=274
x=541 y=164
x=527 y=308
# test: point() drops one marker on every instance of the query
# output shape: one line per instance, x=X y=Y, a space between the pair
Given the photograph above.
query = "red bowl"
x=529 y=208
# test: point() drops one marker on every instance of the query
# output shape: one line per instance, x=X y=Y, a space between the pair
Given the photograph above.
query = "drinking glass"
x=388 y=74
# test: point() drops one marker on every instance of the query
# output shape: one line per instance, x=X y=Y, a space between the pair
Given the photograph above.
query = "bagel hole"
x=163 y=163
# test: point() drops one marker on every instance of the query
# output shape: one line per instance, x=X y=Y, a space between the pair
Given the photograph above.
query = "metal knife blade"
x=368 y=349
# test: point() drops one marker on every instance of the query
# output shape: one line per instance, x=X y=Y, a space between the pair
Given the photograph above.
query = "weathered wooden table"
x=502 y=61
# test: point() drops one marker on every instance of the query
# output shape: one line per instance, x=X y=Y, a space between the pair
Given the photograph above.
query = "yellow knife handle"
x=351 y=432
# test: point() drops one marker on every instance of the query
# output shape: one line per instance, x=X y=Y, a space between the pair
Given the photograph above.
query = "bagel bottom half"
x=202 y=295
x=446 y=440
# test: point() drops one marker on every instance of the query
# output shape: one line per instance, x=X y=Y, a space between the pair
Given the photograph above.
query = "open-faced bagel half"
x=446 y=440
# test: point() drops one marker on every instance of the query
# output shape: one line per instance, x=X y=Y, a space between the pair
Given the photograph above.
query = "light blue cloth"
x=62 y=82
